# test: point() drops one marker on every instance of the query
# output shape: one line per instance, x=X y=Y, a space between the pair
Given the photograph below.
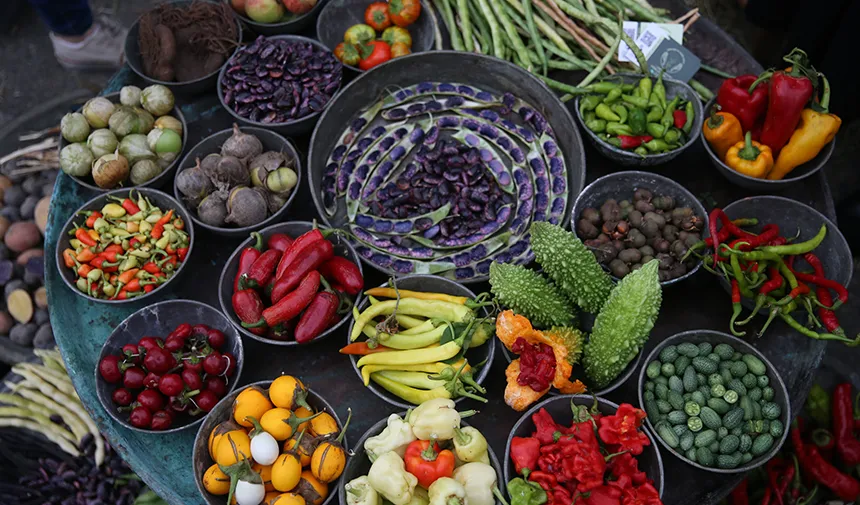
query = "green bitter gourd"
x=528 y=293
x=567 y=261
x=622 y=326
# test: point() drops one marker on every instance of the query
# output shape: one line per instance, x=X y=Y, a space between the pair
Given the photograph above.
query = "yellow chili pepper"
x=94 y=234
x=816 y=129
x=722 y=130
x=410 y=394
x=750 y=158
x=412 y=356
x=392 y=293
x=435 y=368
x=113 y=210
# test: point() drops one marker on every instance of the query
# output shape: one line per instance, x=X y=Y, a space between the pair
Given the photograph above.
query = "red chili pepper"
x=247 y=258
x=739 y=494
x=69 y=258
x=290 y=305
x=91 y=219
x=789 y=94
x=134 y=243
x=130 y=207
x=86 y=255
x=317 y=317
x=182 y=253
x=736 y=308
x=261 y=271
x=843 y=425
x=768 y=233
x=82 y=235
x=823 y=472
x=279 y=241
x=680 y=118
x=83 y=270
x=634 y=141
x=740 y=100
x=249 y=308
x=169 y=263
x=158 y=227
x=103 y=264
x=148 y=288
x=297 y=248
x=346 y=274
x=362 y=349
x=312 y=258
x=546 y=480
x=151 y=267
x=524 y=453
x=819 y=279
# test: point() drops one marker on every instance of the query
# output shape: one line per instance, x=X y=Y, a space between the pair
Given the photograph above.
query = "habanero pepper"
x=248 y=307
x=279 y=241
x=262 y=270
x=343 y=272
x=843 y=425
x=318 y=317
x=69 y=258
x=428 y=462
x=722 y=130
x=86 y=255
x=290 y=305
x=744 y=101
x=524 y=453
x=297 y=248
x=247 y=258
x=789 y=93
x=312 y=258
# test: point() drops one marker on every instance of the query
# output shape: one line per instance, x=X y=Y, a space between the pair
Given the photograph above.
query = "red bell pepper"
x=315 y=255
x=290 y=305
x=247 y=258
x=739 y=98
x=790 y=92
x=524 y=453
x=426 y=461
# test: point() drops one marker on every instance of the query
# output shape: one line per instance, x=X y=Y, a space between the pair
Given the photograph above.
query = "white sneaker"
x=101 y=48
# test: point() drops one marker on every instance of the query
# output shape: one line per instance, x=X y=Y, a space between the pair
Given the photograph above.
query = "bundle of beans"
x=445 y=178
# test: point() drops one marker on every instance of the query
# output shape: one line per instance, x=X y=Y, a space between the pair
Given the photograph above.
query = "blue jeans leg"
x=65 y=17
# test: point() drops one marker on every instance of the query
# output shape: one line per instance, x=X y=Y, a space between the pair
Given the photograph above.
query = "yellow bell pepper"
x=750 y=158
x=816 y=129
x=722 y=130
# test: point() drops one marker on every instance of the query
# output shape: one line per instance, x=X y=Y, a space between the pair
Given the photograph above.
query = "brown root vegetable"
x=193 y=183
x=241 y=145
x=163 y=72
x=25 y=256
x=20 y=305
x=246 y=207
x=232 y=171
x=40 y=296
x=166 y=43
x=213 y=62
x=213 y=209
x=41 y=213
x=22 y=235
x=110 y=170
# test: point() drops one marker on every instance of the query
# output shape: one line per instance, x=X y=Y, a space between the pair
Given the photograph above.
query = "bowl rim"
x=269 y=220
x=264 y=384
x=159 y=179
x=61 y=267
x=785 y=416
x=282 y=24
x=388 y=397
x=228 y=310
x=377 y=428
x=240 y=361
x=294 y=121
x=424 y=8
x=663 y=179
x=526 y=417
x=692 y=138
x=177 y=84
x=827 y=150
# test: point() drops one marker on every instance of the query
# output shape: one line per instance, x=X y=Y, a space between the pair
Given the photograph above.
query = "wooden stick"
x=39 y=134
x=689 y=14
x=691 y=21
x=32 y=148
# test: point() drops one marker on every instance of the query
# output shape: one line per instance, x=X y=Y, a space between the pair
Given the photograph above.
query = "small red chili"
x=249 y=308
x=339 y=270
x=312 y=258
x=279 y=241
x=290 y=305
x=680 y=118
x=262 y=270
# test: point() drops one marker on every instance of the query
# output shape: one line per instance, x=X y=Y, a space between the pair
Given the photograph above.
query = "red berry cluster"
x=185 y=373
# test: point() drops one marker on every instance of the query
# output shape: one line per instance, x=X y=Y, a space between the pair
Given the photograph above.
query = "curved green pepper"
x=668 y=118
x=645 y=87
x=655 y=113
x=636 y=120
x=596 y=125
x=604 y=111
x=616 y=128
x=525 y=492
x=656 y=130
x=588 y=103
x=673 y=135
x=613 y=95
x=656 y=146
x=691 y=114
x=636 y=101
x=621 y=110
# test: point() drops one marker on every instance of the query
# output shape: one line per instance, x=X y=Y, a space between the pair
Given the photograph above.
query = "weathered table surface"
x=164 y=461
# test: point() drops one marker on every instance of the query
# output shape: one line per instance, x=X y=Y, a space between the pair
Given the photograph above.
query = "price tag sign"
x=674 y=60
x=648 y=36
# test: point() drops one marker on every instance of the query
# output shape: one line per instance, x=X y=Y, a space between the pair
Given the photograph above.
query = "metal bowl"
x=800 y=173
x=159 y=320
x=158 y=181
x=629 y=158
x=293 y=127
x=621 y=185
x=223 y=412
x=185 y=88
x=478 y=70
x=429 y=283
x=780 y=393
x=339 y=15
x=293 y=25
x=212 y=144
x=559 y=408
x=359 y=464
x=231 y=267
x=792 y=216
x=162 y=200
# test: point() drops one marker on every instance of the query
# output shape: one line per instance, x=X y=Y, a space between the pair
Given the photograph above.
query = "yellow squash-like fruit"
x=228 y=453
x=215 y=481
x=251 y=402
x=286 y=472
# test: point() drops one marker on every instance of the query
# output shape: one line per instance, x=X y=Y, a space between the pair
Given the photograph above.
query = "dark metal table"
x=164 y=461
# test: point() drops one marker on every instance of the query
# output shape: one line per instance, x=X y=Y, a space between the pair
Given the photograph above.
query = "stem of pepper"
x=499 y=496
x=749 y=152
x=818 y=336
x=736 y=309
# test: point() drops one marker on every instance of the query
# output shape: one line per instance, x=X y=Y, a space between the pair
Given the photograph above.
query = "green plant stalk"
x=448 y=17
x=704 y=93
x=533 y=34
x=547 y=46
x=512 y=34
x=560 y=86
x=437 y=33
x=640 y=10
x=585 y=16
x=547 y=29
x=602 y=64
x=717 y=72
x=495 y=30
x=483 y=28
x=465 y=25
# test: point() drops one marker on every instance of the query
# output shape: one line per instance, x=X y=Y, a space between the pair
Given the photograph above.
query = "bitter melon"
x=623 y=325
x=573 y=340
x=567 y=261
x=529 y=294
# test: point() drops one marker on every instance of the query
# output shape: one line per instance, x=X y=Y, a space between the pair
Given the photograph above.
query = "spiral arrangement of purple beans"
x=275 y=80
x=445 y=178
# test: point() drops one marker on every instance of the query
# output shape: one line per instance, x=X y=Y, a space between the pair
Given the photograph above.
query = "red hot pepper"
x=739 y=495
x=91 y=219
x=82 y=235
x=247 y=258
x=182 y=253
x=789 y=93
x=279 y=241
x=738 y=98
x=290 y=305
x=546 y=480
x=317 y=317
x=262 y=270
x=524 y=453
x=346 y=274
x=130 y=207
x=827 y=316
x=295 y=250
x=158 y=227
x=633 y=141
x=311 y=259
x=680 y=118
x=843 y=425
x=428 y=462
x=249 y=308
x=845 y=486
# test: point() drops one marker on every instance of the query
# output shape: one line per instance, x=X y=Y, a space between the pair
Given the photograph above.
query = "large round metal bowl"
x=222 y=412
x=338 y=15
x=297 y=126
x=292 y=229
x=487 y=73
x=212 y=144
x=359 y=463
x=559 y=407
x=621 y=185
x=429 y=283
x=629 y=158
x=780 y=393
x=162 y=200
x=800 y=173
x=158 y=181
x=159 y=320
x=186 y=88
x=293 y=24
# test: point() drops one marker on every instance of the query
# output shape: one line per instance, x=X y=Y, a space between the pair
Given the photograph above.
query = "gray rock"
x=44 y=337
x=41 y=316
x=12 y=286
x=31 y=185
x=23 y=334
x=14 y=196
x=11 y=213
x=28 y=208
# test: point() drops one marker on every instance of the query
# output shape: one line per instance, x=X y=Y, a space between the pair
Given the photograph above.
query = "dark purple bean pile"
x=275 y=81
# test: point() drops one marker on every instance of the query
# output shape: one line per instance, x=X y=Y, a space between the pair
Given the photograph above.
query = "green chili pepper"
x=596 y=125
x=655 y=113
x=589 y=103
x=691 y=114
x=603 y=87
x=589 y=116
x=613 y=96
x=645 y=87
x=799 y=248
x=615 y=128
x=627 y=88
x=637 y=121
x=658 y=93
x=636 y=101
x=615 y=141
x=668 y=118
x=641 y=151
x=656 y=130
x=525 y=492
x=82 y=284
x=621 y=110
x=739 y=276
x=656 y=146
x=603 y=111
x=636 y=93
x=673 y=135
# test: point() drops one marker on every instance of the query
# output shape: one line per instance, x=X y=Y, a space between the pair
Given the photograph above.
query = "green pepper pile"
x=637 y=117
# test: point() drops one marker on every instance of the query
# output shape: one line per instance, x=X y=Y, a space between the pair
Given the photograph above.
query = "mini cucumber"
x=669 y=354
x=653 y=370
x=728 y=461
x=675 y=384
x=688 y=349
x=710 y=418
x=704 y=456
x=767 y=394
x=749 y=381
x=676 y=400
x=762 y=444
x=719 y=405
x=724 y=351
x=681 y=364
x=734 y=418
x=705 y=438
x=705 y=348
x=704 y=365
x=738 y=369
x=690 y=381
x=687 y=441
x=677 y=417
x=771 y=410
x=755 y=365
x=668 y=435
